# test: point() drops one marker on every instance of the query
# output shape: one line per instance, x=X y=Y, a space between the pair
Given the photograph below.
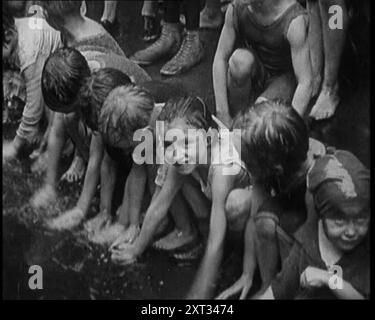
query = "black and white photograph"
x=213 y=150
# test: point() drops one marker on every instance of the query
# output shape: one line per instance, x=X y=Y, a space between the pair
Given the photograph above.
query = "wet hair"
x=192 y=109
x=274 y=142
x=95 y=90
x=125 y=110
x=64 y=73
x=57 y=11
x=8 y=21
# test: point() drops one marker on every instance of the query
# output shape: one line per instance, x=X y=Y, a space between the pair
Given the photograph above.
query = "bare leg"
x=47 y=194
x=240 y=70
x=333 y=41
x=107 y=184
x=315 y=38
x=76 y=169
x=109 y=12
x=184 y=232
x=267 y=250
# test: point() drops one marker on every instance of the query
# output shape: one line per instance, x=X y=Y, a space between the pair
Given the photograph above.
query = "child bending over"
x=27 y=49
x=89 y=102
x=278 y=154
x=228 y=194
x=263 y=53
x=61 y=92
x=335 y=238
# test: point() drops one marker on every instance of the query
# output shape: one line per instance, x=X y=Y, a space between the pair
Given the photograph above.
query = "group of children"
x=302 y=209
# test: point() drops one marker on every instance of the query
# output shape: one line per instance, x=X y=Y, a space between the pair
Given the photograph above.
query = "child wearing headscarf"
x=330 y=257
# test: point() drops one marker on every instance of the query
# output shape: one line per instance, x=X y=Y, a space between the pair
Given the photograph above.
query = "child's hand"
x=314 y=278
x=9 y=152
x=44 y=197
x=242 y=285
x=124 y=254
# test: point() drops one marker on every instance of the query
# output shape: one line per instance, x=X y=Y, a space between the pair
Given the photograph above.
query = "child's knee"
x=237 y=209
x=265 y=228
x=240 y=65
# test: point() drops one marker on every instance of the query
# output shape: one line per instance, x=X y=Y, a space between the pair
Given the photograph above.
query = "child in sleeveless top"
x=262 y=53
x=227 y=192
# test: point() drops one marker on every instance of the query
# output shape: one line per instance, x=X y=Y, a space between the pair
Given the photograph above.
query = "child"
x=100 y=50
x=335 y=238
x=272 y=58
x=278 y=154
x=185 y=53
x=79 y=31
x=332 y=46
x=61 y=90
x=91 y=97
x=228 y=193
x=125 y=109
x=27 y=49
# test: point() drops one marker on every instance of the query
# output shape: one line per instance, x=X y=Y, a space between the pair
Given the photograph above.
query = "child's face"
x=186 y=151
x=347 y=231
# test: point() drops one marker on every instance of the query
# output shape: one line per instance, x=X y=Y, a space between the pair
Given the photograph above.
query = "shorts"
x=272 y=85
x=288 y=213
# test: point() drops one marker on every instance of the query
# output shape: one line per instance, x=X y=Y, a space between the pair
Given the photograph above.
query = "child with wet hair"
x=90 y=99
x=26 y=49
x=331 y=256
x=278 y=153
x=263 y=53
x=126 y=110
x=64 y=74
x=221 y=184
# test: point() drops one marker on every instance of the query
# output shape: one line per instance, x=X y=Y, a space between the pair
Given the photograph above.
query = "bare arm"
x=204 y=282
x=107 y=178
x=92 y=173
x=347 y=292
x=220 y=66
x=297 y=36
x=158 y=208
x=133 y=195
x=56 y=142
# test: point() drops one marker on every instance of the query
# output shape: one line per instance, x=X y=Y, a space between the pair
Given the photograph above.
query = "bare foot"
x=108 y=235
x=326 y=104
x=174 y=240
x=44 y=197
x=40 y=164
x=68 y=220
x=98 y=222
x=76 y=170
x=127 y=237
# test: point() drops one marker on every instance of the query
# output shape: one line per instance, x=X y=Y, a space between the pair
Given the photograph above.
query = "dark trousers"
x=191 y=8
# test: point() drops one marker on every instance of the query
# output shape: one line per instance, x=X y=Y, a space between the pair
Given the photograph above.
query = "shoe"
x=191 y=52
x=167 y=45
x=112 y=27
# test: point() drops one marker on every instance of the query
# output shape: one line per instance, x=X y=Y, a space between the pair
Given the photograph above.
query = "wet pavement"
x=76 y=269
